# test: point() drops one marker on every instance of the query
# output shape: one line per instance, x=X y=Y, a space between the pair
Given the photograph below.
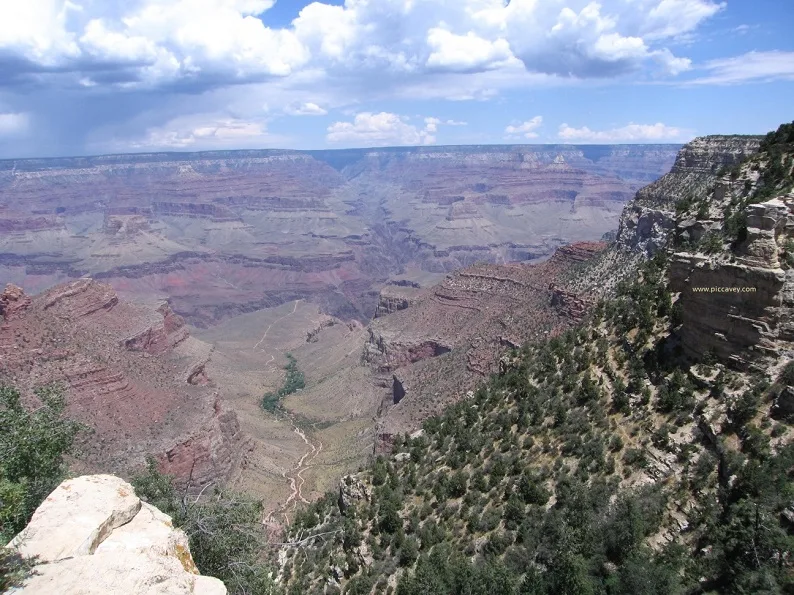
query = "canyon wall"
x=228 y=232
x=132 y=375
x=648 y=220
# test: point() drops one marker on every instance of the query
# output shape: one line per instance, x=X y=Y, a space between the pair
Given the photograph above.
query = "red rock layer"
x=124 y=376
x=469 y=320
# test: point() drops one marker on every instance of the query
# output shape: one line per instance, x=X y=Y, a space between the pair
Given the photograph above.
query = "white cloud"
x=630 y=133
x=591 y=39
x=476 y=95
x=749 y=67
x=216 y=42
x=305 y=109
x=670 y=18
x=466 y=52
x=12 y=124
x=36 y=30
x=382 y=129
x=525 y=129
x=148 y=55
x=431 y=124
x=195 y=133
x=151 y=42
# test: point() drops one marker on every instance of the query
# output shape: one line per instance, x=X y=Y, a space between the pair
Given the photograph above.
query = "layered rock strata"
x=437 y=349
x=225 y=233
x=647 y=221
x=130 y=375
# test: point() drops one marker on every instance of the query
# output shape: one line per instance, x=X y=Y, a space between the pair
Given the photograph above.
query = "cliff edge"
x=93 y=535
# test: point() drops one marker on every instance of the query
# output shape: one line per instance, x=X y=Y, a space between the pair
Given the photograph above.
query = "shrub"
x=32 y=446
x=293 y=381
x=225 y=531
x=787 y=375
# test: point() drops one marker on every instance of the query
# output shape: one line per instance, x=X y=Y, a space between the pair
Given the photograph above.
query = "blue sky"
x=99 y=76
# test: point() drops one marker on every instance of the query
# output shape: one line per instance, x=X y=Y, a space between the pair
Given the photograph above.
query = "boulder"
x=13 y=302
x=94 y=536
x=351 y=490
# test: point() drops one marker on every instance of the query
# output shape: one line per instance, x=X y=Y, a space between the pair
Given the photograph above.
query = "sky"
x=82 y=77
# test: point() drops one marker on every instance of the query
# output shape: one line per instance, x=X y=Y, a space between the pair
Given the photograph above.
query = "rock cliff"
x=131 y=373
x=732 y=264
x=649 y=218
x=94 y=536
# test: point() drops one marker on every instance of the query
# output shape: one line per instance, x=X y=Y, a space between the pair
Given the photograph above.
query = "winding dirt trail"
x=270 y=326
x=314 y=447
x=295 y=476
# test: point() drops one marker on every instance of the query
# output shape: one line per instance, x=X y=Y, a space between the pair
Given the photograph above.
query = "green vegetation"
x=32 y=446
x=293 y=381
x=776 y=151
x=224 y=529
x=534 y=484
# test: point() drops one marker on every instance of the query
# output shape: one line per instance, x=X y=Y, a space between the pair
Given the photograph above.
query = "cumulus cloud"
x=197 y=133
x=148 y=42
x=382 y=129
x=359 y=51
x=606 y=39
x=220 y=41
x=468 y=52
x=525 y=129
x=749 y=67
x=305 y=109
x=630 y=133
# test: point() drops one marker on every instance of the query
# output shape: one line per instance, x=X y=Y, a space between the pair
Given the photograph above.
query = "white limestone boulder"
x=94 y=536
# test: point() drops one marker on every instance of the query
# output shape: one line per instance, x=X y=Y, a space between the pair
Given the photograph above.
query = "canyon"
x=224 y=233
x=171 y=287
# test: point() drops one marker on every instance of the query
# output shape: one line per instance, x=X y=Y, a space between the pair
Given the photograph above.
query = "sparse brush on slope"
x=224 y=528
x=567 y=474
x=601 y=461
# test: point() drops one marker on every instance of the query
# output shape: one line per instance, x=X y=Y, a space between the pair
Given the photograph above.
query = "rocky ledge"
x=740 y=308
x=94 y=536
x=648 y=220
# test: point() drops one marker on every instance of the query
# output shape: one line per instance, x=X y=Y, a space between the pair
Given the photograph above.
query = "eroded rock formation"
x=130 y=373
x=224 y=233
x=647 y=221
x=742 y=307
x=438 y=348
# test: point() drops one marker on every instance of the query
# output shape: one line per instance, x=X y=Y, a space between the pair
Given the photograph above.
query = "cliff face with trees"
x=648 y=450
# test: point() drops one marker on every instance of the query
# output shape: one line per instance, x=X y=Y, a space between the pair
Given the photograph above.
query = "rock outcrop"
x=647 y=221
x=351 y=492
x=13 y=302
x=740 y=308
x=435 y=350
x=393 y=298
x=94 y=536
x=131 y=373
